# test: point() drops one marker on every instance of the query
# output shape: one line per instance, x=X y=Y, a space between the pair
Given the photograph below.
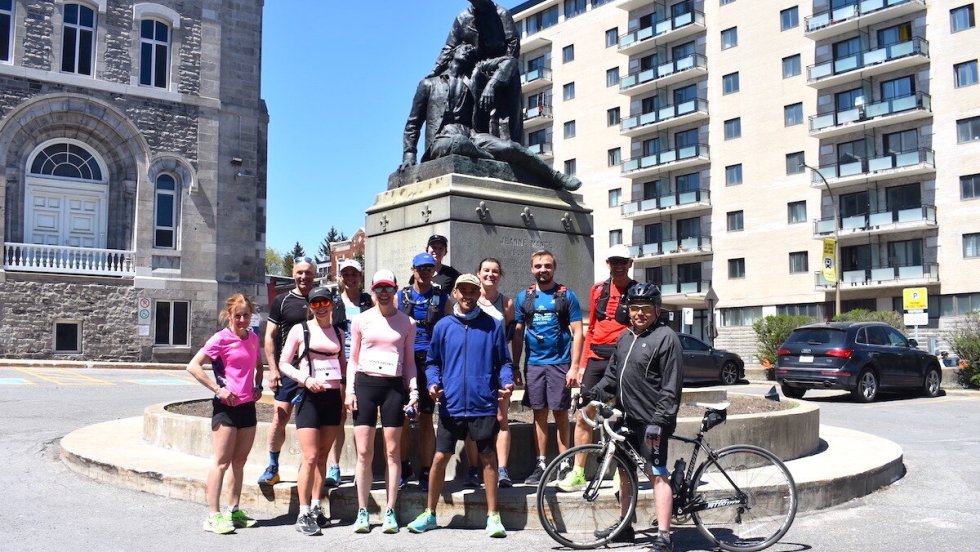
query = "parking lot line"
x=15 y=381
x=62 y=377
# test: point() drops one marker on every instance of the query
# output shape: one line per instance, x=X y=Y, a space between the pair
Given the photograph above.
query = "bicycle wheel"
x=752 y=507
x=572 y=518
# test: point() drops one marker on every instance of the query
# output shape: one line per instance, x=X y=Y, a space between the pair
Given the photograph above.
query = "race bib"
x=326 y=369
x=383 y=362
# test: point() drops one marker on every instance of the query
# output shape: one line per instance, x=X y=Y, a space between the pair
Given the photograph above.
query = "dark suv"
x=860 y=357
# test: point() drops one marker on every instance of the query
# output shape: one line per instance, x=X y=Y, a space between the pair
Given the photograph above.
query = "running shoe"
x=219 y=523
x=472 y=478
x=389 y=524
x=503 y=479
x=319 y=516
x=240 y=519
x=270 y=476
x=564 y=468
x=306 y=524
x=363 y=522
x=495 y=529
x=661 y=544
x=536 y=475
x=333 y=477
x=574 y=481
x=626 y=535
x=425 y=521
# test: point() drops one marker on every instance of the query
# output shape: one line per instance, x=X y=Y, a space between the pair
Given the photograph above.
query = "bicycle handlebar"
x=615 y=415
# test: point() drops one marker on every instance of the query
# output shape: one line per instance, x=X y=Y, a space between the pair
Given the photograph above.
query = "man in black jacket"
x=644 y=379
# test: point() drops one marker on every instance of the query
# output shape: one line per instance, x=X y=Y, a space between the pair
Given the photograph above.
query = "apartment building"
x=133 y=146
x=724 y=140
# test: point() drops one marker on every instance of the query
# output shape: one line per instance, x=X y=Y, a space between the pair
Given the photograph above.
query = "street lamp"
x=833 y=204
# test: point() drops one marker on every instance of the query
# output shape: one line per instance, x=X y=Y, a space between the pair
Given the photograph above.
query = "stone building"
x=128 y=132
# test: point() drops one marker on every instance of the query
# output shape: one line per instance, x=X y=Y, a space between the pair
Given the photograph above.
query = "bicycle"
x=741 y=497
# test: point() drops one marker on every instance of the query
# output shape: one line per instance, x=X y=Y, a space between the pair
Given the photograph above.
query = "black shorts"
x=319 y=409
x=375 y=392
x=426 y=404
x=594 y=370
x=481 y=429
x=288 y=388
x=657 y=457
x=239 y=416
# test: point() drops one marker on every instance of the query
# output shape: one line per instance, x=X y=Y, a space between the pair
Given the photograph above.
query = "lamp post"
x=833 y=203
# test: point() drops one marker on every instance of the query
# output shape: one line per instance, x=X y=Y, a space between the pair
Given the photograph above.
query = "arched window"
x=154 y=53
x=78 y=39
x=165 y=213
x=67 y=160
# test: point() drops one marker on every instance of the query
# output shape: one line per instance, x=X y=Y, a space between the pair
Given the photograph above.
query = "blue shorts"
x=288 y=388
x=545 y=387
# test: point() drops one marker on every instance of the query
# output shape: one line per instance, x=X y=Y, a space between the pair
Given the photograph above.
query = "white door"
x=71 y=216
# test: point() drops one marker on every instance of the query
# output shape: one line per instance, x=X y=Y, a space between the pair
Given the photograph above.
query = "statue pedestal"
x=482 y=217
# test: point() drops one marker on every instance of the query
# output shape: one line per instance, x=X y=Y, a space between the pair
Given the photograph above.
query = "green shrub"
x=965 y=341
x=891 y=318
x=770 y=332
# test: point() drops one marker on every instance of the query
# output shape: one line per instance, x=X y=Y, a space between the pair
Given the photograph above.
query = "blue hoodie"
x=469 y=359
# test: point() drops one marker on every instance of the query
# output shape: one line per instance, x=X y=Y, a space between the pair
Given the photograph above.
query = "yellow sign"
x=829 y=261
x=915 y=299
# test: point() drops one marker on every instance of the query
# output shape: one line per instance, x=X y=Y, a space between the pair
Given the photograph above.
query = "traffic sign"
x=915 y=299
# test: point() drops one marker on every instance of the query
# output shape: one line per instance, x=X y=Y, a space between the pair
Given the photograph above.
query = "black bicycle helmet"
x=644 y=293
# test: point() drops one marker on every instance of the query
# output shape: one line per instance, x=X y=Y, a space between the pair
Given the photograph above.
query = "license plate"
x=806 y=358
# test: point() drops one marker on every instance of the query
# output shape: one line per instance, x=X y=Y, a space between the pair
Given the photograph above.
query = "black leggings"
x=376 y=392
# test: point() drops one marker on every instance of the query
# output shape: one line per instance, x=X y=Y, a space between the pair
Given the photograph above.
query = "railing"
x=661 y=27
x=878 y=219
x=677 y=199
x=916 y=46
x=664 y=157
x=68 y=260
x=541 y=73
x=883 y=275
x=881 y=163
x=675 y=288
x=671 y=67
x=683 y=245
x=535 y=112
x=664 y=113
x=919 y=100
x=827 y=18
x=543 y=148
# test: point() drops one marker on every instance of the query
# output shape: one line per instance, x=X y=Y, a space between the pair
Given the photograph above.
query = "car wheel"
x=792 y=392
x=729 y=373
x=867 y=387
x=931 y=383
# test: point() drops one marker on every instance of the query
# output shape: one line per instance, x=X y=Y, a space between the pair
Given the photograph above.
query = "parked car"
x=703 y=362
x=861 y=357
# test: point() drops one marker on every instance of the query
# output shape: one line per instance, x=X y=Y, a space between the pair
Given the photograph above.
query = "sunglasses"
x=645 y=309
x=385 y=289
x=303 y=260
x=317 y=303
x=425 y=268
x=618 y=261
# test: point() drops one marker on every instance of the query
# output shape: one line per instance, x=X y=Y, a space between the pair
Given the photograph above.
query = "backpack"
x=340 y=312
x=622 y=311
x=561 y=305
x=432 y=314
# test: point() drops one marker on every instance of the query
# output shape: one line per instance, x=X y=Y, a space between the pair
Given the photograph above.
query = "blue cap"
x=423 y=259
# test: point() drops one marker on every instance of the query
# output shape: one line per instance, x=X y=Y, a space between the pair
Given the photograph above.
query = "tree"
x=288 y=258
x=891 y=318
x=273 y=262
x=771 y=332
x=332 y=236
x=965 y=341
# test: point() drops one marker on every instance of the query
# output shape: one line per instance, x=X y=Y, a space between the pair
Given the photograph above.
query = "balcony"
x=542 y=150
x=880 y=277
x=54 y=259
x=664 y=75
x=880 y=222
x=685 y=247
x=830 y=23
x=665 y=117
x=665 y=160
x=632 y=4
x=680 y=202
x=892 y=165
x=534 y=41
x=870 y=62
x=537 y=116
x=888 y=112
x=675 y=28
x=535 y=79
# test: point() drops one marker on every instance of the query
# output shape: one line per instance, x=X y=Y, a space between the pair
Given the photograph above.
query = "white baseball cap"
x=618 y=251
x=350 y=263
x=384 y=277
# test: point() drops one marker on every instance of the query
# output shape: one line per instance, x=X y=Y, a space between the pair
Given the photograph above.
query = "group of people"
x=446 y=340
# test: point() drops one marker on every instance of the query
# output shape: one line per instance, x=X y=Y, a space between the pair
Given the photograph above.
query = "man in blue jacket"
x=468 y=369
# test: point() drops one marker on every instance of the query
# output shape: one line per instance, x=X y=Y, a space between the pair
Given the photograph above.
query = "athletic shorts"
x=239 y=416
x=594 y=370
x=288 y=388
x=481 y=429
x=379 y=393
x=656 y=457
x=426 y=404
x=545 y=387
x=319 y=409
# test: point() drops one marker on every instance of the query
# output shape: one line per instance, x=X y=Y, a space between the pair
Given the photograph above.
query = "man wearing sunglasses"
x=286 y=311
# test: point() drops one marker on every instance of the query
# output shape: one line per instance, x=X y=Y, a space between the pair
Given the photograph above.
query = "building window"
x=172 y=323
x=798 y=262
x=612 y=116
x=573 y=8
x=6 y=29
x=612 y=76
x=736 y=268
x=791 y=66
x=613 y=157
x=568 y=53
x=724 y=2
x=793 y=114
x=796 y=212
x=730 y=83
x=961 y=18
x=733 y=128
x=794 y=162
x=736 y=221
x=570 y=167
x=154 y=53
x=968 y=130
x=615 y=237
x=971 y=245
x=612 y=37
x=733 y=175
x=740 y=316
x=965 y=73
x=970 y=186
x=615 y=196
x=789 y=18
x=569 y=131
x=541 y=20
x=165 y=217
x=78 y=39
x=67 y=337
x=729 y=38
x=568 y=91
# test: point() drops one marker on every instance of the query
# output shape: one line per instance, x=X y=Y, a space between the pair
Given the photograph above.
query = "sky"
x=338 y=81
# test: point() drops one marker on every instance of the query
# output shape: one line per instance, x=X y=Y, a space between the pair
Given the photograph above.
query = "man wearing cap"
x=608 y=318
x=467 y=368
x=426 y=303
x=445 y=276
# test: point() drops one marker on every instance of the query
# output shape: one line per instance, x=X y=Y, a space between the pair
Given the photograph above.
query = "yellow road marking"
x=62 y=376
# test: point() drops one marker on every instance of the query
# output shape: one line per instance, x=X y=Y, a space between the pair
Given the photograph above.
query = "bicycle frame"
x=684 y=504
